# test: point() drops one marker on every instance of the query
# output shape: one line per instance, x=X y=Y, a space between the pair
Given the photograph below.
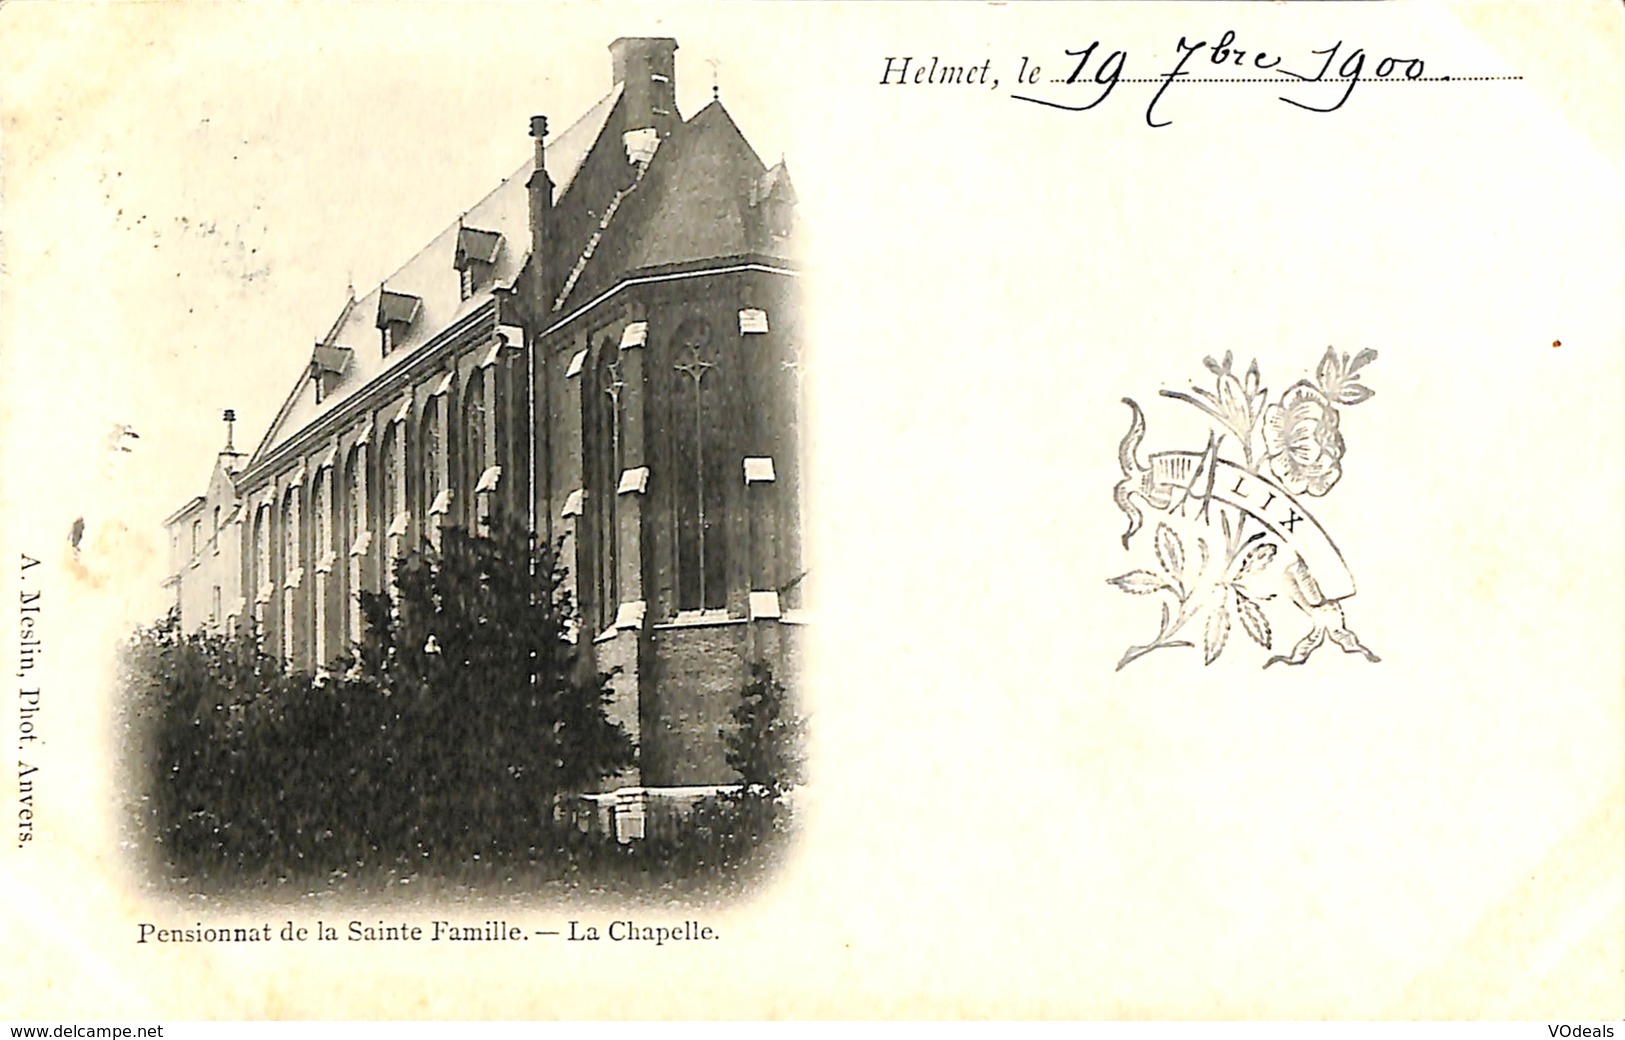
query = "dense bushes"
x=231 y=750
x=441 y=743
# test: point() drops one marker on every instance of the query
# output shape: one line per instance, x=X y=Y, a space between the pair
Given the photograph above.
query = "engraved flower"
x=1236 y=401
x=1302 y=441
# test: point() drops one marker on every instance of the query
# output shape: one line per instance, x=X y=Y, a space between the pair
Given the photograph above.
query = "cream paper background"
x=999 y=825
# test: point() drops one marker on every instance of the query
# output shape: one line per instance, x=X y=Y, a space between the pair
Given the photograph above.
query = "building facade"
x=605 y=348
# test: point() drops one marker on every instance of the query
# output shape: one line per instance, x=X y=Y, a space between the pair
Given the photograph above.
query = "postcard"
x=816 y=510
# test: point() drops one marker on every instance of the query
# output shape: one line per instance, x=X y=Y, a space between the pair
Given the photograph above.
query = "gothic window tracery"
x=700 y=448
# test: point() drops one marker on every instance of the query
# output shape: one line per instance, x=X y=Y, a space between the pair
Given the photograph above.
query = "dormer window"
x=476 y=256
x=396 y=312
x=327 y=367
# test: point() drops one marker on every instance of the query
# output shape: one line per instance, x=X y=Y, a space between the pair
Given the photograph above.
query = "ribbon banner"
x=1173 y=473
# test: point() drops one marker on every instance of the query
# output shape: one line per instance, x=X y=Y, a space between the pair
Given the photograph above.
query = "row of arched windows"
x=703 y=409
x=424 y=481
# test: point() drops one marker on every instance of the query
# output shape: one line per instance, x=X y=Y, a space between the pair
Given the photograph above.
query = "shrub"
x=463 y=713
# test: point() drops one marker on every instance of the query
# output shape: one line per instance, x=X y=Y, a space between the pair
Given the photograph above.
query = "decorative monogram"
x=1261 y=560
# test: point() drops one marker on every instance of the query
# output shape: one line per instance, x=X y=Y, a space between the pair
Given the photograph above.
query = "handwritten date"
x=1094 y=69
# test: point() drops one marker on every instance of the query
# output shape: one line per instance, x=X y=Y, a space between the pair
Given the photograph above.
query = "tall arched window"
x=291 y=570
x=700 y=450
x=321 y=516
x=476 y=439
x=394 y=500
x=603 y=413
x=197 y=536
x=216 y=529
x=355 y=531
x=262 y=563
x=436 y=498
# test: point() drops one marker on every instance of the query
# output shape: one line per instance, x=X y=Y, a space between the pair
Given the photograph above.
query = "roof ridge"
x=598 y=234
x=344 y=314
x=276 y=423
x=528 y=164
x=570 y=149
x=695 y=202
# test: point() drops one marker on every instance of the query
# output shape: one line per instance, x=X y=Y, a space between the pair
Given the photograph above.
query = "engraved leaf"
x=1218 y=630
x=1138 y=583
x=1354 y=393
x=1256 y=559
x=1253 y=620
x=1170 y=551
x=1329 y=373
x=1362 y=359
x=1230 y=398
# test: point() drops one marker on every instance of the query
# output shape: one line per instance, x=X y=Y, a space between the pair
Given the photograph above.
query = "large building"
x=607 y=348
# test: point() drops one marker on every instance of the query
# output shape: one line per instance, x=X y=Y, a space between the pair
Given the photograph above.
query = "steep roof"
x=183 y=512
x=704 y=195
x=431 y=277
x=694 y=202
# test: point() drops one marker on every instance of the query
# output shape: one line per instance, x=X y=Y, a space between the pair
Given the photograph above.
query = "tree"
x=766 y=747
x=496 y=710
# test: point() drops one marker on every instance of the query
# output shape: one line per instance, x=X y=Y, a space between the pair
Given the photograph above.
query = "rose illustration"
x=1302 y=440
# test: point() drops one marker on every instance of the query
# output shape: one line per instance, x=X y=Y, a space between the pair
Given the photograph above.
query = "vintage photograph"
x=510 y=591
x=812 y=510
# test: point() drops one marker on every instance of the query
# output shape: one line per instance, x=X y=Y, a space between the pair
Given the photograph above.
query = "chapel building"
x=606 y=348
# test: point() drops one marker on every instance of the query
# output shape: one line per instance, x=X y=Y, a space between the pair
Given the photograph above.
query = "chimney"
x=647 y=66
x=541 y=204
